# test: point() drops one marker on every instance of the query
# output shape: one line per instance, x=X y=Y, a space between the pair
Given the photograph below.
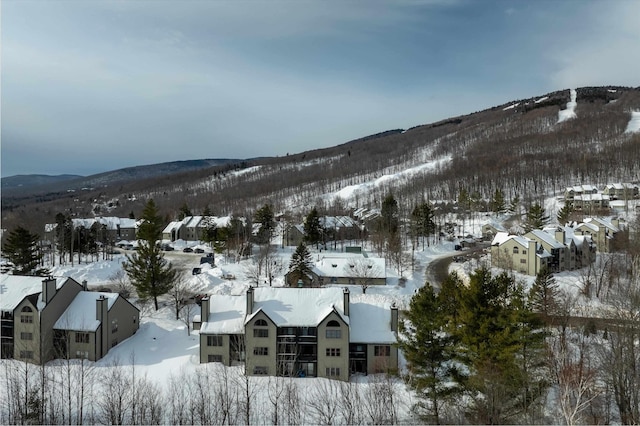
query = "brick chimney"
x=48 y=289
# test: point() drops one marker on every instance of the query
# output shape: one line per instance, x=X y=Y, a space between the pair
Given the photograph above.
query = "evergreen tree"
x=389 y=220
x=147 y=268
x=497 y=202
x=423 y=224
x=184 y=212
x=501 y=343
x=427 y=348
x=312 y=228
x=300 y=264
x=536 y=218
x=21 y=248
x=514 y=206
x=265 y=217
x=543 y=296
x=564 y=214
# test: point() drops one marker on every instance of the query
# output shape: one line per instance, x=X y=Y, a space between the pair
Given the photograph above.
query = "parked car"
x=166 y=247
x=196 y=271
x=198 y=250
x=187 y=250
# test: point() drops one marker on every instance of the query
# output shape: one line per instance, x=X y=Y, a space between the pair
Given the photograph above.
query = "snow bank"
x=570 y=112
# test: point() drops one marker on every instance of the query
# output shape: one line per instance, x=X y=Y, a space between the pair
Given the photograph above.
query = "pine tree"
x=300 y=264
x=514 y=206
x=184 y=212
x=497 y=202
x=536 y=218
x=502 y=345
x=21 y=248
x=389 y=220
x=427 y=348
x=148 y=270
x=312 y=228
x=265 y=217
x=564 y=214
x=543 y=296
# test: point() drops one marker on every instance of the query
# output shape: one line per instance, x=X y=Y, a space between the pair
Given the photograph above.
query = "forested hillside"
x=520 y=147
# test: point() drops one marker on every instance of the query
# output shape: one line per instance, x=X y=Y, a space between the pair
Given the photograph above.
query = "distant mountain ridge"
x=27 y=181
x=76 y=182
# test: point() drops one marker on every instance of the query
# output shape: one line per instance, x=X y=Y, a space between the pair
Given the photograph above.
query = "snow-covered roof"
x=582 y=188
x=219 y=222
x=80 y=315
x=370 y=323
x=172 y=226
x=600 y=222
x=339 y=265
x=14 y=288
x=495 y=225
x=301 y=307
x=590 y=226
x=226 y=315
x=337 y=222
x=192 y=221
x=621 y=186
x=592 y=197
x=547 y=238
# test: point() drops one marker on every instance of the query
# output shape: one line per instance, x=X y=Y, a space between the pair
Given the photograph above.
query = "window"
x=515 y=250
x=26 y=354
x=214 y=340
x=134 y=319
x=261 y=350
x=523 y=260
x=260 y=323
x=82 y=337
x=26 y=319
x=260 y=332
x=114 y=325
x=333 y=351
x=26 y=336
x=382 y=350
x=333 y=280
x=332 y=371
x=214 y=358
x=260 y=371
x=333 y=333
x=524 y=252
x=82 y=354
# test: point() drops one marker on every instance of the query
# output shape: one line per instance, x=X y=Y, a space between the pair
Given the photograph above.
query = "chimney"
x=102 y=308
x=394 y=317
x=48 y=289
x=249 y=300
x=102 y=315
x=204 y=309
x=85 y=287
x=345 y=301
x=560 y=235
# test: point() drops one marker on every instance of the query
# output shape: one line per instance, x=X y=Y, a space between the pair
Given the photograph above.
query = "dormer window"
x=334 y=265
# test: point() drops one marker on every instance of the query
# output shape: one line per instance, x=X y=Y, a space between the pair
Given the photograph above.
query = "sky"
x=89 y=87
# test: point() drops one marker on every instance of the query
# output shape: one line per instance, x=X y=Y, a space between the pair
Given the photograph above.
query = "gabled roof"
x=301 y=307
x=340 y=264
x=172 y=226
x=547 y=238
x=590 y=226
x=14 y=288
x=503 y=237
x=600 y=222
x=80 y=315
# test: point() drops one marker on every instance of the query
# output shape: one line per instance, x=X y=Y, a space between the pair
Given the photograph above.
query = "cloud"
x=605 y=49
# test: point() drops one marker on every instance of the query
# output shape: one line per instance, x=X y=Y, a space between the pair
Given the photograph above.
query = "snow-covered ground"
x=634 y=123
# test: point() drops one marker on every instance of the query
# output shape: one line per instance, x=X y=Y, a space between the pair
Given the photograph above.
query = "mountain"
x=530 y=148
x=27 y=181
x=33 y=184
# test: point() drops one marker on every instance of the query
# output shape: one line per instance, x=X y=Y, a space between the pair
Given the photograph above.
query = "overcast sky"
x=93 y=86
